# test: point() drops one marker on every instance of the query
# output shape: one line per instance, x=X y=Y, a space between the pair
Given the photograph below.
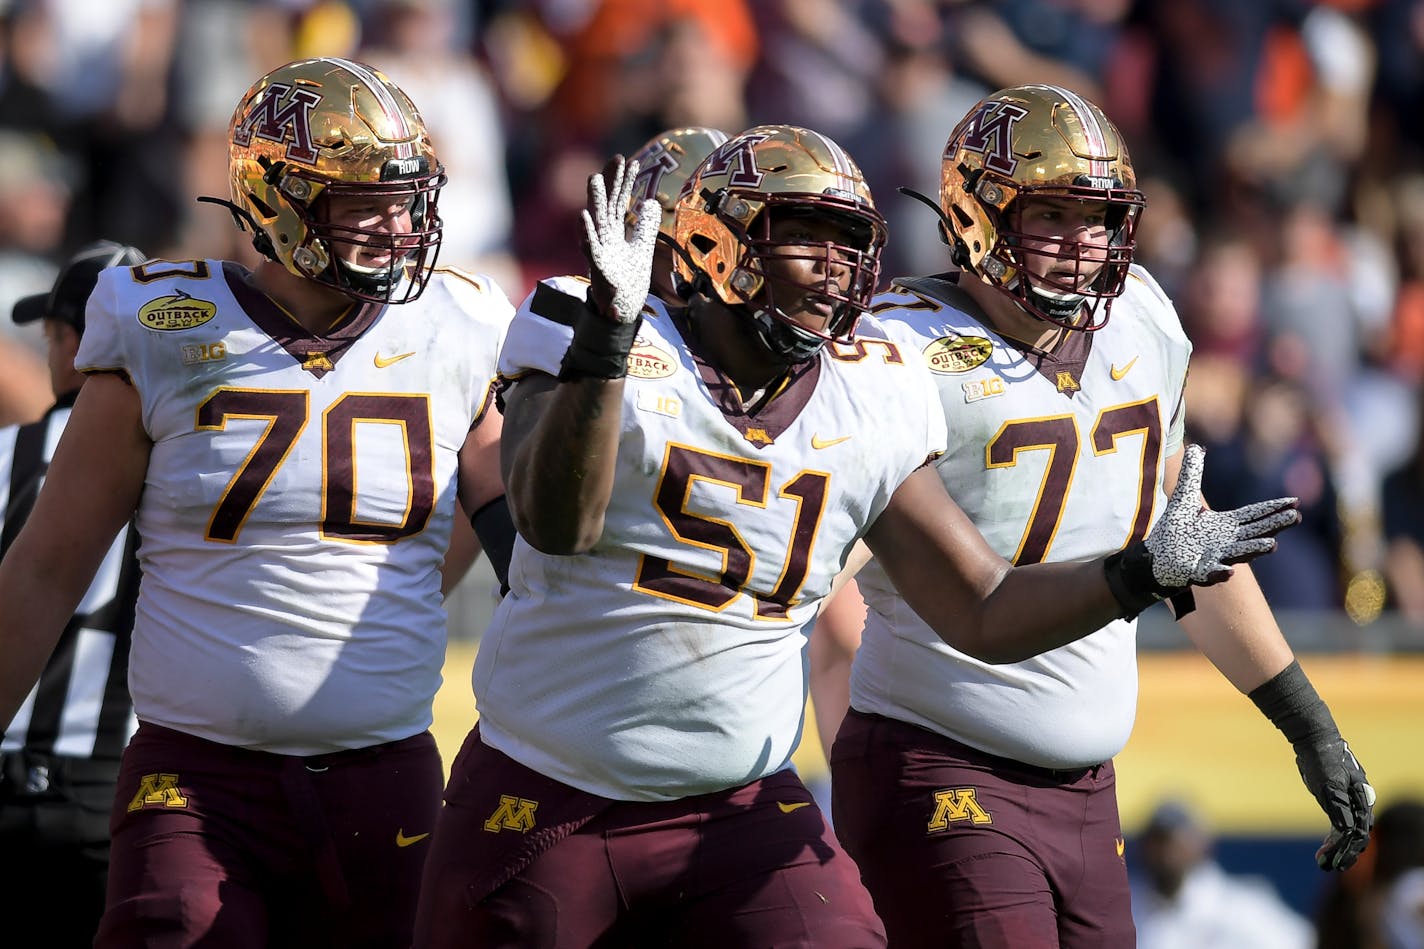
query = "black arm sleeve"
x=495 y=529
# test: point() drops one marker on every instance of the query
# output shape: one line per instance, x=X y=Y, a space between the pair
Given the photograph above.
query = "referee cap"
x=65 y=300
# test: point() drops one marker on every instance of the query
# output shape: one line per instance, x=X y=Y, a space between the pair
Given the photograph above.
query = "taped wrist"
x=1292 y=704
x=600 y=347
x=1130 y=578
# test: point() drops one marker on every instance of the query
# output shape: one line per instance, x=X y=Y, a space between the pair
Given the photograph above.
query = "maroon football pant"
x=220 y=847
x=964 y=849
x=520 y=860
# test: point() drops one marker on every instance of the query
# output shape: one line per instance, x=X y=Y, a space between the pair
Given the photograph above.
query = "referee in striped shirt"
x=59 y=758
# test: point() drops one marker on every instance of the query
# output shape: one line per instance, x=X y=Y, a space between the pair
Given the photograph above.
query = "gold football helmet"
x=1030 y=141
x=320 y=128
x=664 y=164
x=722 y=231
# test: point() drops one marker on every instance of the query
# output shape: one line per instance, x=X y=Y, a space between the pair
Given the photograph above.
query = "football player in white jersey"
x=295 y=442
x=664 y=164
x=979 y=800
x=687 y=481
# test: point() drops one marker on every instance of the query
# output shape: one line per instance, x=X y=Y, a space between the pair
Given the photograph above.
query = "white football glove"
x=620 y=268
x=1192 y=545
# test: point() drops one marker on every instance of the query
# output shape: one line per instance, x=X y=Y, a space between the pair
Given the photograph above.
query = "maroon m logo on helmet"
x=652 y=165
x=737 y=161
x=273 y=119
x=989 y=131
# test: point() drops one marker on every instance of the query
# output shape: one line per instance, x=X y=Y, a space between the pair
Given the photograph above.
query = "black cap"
x=65 y=300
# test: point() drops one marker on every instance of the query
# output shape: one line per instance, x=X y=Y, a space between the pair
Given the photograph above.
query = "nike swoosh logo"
x=818 y=442
x=795 y=806
x=402 y=840
x=1117 y=373
x=384 y=361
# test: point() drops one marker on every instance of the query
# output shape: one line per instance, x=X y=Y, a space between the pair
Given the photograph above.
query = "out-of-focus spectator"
x=34 y=196
x=418 y=43
x=1183 y=899
x=617 y=57
x=1402 y=510
x=104 y=72
x=820 y=64
x=1278 y=448
x=1379 y=902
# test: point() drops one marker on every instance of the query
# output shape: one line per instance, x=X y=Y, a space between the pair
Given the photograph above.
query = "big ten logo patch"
x=194 y=353
x=953 y=805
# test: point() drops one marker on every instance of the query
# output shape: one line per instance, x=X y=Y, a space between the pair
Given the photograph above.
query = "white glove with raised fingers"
x=620 y=267
x=1192 y=545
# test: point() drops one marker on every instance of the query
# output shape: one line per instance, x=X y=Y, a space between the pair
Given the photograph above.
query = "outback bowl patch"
x=646 y=361
x=957 y=353
x=177 y=311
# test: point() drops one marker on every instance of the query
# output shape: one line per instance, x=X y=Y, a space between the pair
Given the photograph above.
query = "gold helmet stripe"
x=1092 y=130
x=405 y=147
x=838 y=155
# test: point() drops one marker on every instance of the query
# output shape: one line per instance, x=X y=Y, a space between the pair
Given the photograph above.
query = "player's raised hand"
x=620 y=265
x=1192 y=545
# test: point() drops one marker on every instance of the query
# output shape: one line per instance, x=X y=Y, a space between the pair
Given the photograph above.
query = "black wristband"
x=495 y=529
x=1130 y=578
x=600 y=347
x=1292 y=704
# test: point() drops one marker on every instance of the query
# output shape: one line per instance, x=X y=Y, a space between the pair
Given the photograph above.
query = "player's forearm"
x=39 y=592
x=562 y=475
x=1233 y=627
x=1036 y=608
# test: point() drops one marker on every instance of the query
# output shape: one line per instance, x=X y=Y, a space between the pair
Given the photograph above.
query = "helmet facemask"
x=760 y=280
x=1072 y=298
x=410 y=255
x=733 y=246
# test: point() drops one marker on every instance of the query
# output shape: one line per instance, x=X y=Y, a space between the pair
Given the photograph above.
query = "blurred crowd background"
x=1279 y=143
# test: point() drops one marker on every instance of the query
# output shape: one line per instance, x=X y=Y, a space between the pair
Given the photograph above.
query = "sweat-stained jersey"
x=298 y=500
x=1056 y=462
x=668 y=661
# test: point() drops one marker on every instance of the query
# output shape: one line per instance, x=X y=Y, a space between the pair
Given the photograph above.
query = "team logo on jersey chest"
x=646 y=361
x=177 y=311
x=953 y=354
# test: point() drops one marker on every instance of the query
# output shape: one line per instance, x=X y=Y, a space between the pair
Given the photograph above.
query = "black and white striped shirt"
x=80 y=707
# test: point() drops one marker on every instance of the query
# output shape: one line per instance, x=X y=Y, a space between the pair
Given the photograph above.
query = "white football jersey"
x=668 y=661
x=298 y=500
x=1058 y=461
